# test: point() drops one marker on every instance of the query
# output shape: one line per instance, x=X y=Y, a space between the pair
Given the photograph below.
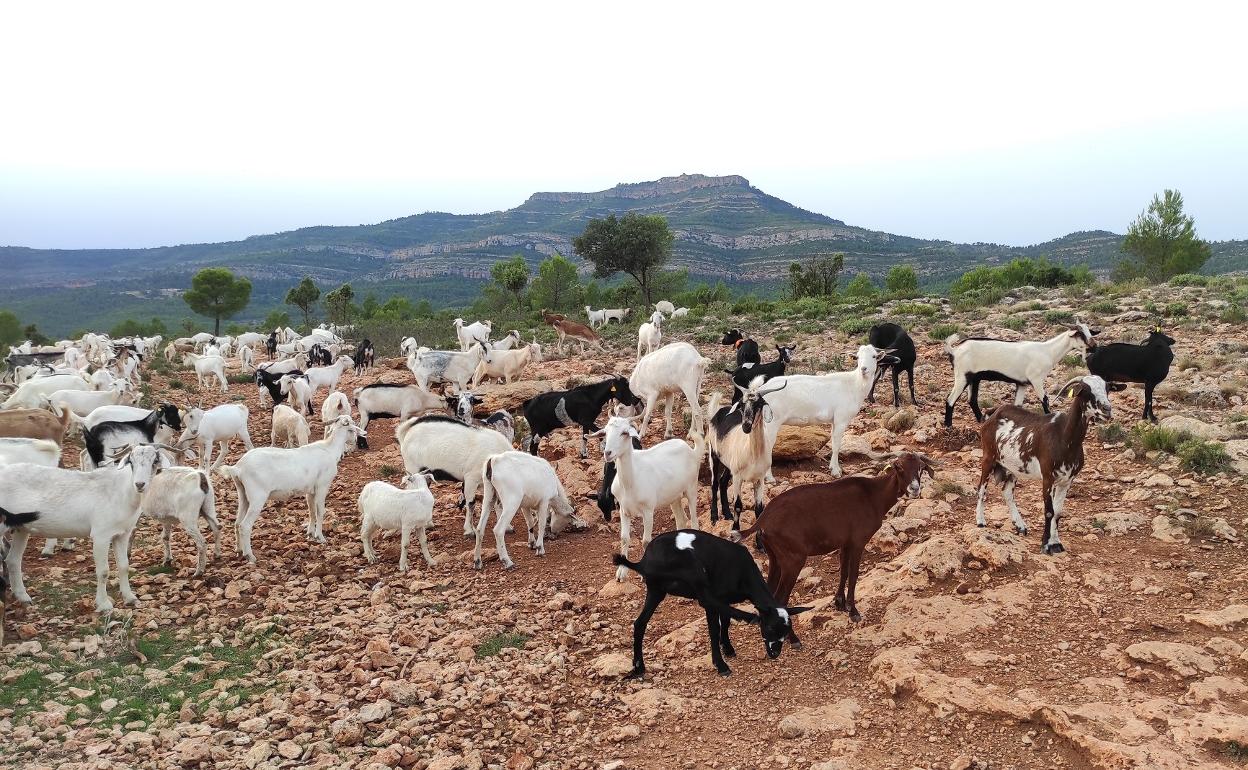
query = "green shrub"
x=1059 y=316
x=1103 y=307
x=852 y=327
x=177 y=384
x=1014 y=322
x=1113 y=433
x=1156 y=438
x=497 y=643
x=1234 y=314
x=920 y=309
x=940 y=331
x=1176 y=309
x=1189 y=279
x=1204 y=457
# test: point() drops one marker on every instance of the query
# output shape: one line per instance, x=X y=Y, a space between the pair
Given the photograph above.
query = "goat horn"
x=779 y=387
x=1062 y=391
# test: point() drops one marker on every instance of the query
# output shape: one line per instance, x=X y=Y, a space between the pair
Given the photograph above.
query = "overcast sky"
x=147 y=124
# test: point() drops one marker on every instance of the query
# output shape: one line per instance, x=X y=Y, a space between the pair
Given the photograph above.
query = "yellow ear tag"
x=888 y=467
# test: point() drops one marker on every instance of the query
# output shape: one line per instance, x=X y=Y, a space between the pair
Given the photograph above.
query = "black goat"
x=364 y=357
x=715 y=573
x=744 y=375
x=271 y=383
x=101 y=439
x=747 y=349
x=890 y=336
x=319 y=355
x=270 y=345
x=1148 y=363
x=581 y=406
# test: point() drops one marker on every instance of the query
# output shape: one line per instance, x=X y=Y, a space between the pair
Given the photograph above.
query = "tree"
x=217 y=293
x=338 y=304
x=276 y=319
x=636 y=245
x=36 y=337
x=557 y=286
x=511 y=277
x=133 y=328
x=860 y=286
x=818 y=278
x=901 y=281
x=304 y=296
x=10 y=328
x=1162 y=242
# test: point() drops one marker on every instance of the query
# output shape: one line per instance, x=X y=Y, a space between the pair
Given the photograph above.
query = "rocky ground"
x=975 y=651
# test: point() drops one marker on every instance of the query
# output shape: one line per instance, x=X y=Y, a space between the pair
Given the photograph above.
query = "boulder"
x=799 y=442
x=1167 y=530
x=510 y=397
x=1195 y=427
x=832 y=718
x=1226 y=618
x=1183 y=659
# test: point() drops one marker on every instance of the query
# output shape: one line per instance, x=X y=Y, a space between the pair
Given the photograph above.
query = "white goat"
x=596 y=317
x=384 y=399
x=665 y=307
x=246 y=358
x=1026 y=364
x=521 y=482
x=408 y=346
x=300 y=391
x=296 y=363
x=448 y=365
x=289 y=428
x=271 y=473
x=672 y=369
x=218 y=425
x=507 y=364
x=616 y=314
x=102 y=504
x=84 y=402
x=328 y=376
x=680 y=312
x=474 y=332
x=181 y=495
x=206 y=365
x=650 y=334
x=652 y=478
x=510 y=341
x=386 y=507
x=32 y=393
x=822 y=399
x=335 y=405
x=446 y=446
x=36 y=451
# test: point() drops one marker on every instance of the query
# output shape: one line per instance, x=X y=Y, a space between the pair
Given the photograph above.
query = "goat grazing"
x=182 y=496
x=619 y=315
x=747 y=349
x=841 y=515
x=207 y=365
x=739 y=452
x=580 y=333
x=386 y=507
x=521 y=482
x=289 y=428
x=672 y=369
x=450 y=366
x=650 y=334
x=384 y=399
x=664 y=307
x=451 y=451
x=890 y=336
x=1148 y=363
x=646 y=479
x=1026 y=364
x=365 y=357
x=271 y=473
x=1018 y=443
x=548 y=412
x=716 y=573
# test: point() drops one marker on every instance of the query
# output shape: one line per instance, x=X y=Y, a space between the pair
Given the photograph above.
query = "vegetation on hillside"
x=1162 y=242
x=637 y=245
x=217 y=293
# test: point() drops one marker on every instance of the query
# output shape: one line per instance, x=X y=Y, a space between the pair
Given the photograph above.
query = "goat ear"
x=798 y=610
x=743 y=616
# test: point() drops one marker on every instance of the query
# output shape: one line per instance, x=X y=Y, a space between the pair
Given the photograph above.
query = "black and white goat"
x=103 y=439
x=1025 y=363
x=462 y=406
x=739 y=450
x=747 y=373
x=1018 y=443
x=715 y=573
x=548 y=412
x=747 y=349
x=890 y=336
x=364 y=357
x=1147 y=363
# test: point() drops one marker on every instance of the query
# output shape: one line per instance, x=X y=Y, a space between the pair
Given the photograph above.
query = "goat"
x=219 y=425
x=33 y=424
x=664 y=307
x=747 y=349
x=743 y=376
x=319 y=355
x=579 y=332
x=550 y=318
x=408 y=346
x=1148 y=363
x=386 y=507
x=890 y=336
x=451 y=451
x=206 y=365
x=270 y=345
x=384 y=399
x=335 y=405
x=101 y=504
x=31 y=394
x=680 y=312
x=715 y=573
x=271 y=473
x=603 y=497
x=327 y=377
x=364 y=358
x=300 y=391
x=249 y=340
x=84 y=402
x=246 y=358
x=289 y=428
x=596 y=317
x=474 y=332
x=650 y=334
x=451 y=366
x=524 y=483
x=1026 y=364
x=105 y=438
x=619 y=315
x=822 y=399
x=739 y=452
x=672 y=369
x=169 y=415
x=1018 y=443
x=510 y=341
x=182 y=496
x=647 y=479
x=270 y=384
x=507 y=364
x=548 y=412
x=816 y=519
x=36 y=451
x=503 y=423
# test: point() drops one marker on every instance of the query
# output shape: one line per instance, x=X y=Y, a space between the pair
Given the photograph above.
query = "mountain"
x=725 y=229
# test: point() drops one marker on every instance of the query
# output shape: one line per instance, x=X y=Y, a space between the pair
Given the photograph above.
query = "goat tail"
x=227 y=471
x=699 y=441
x=487 y=490
x=15 y=520
x=713 y=406
x=620 y=560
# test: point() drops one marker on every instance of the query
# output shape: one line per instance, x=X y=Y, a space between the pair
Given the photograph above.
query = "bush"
x=1175 y=309
x=920 y=309
x=1204 y=457
x=941 y=331
x=852 y=327
x=1156 y=438
x=1233 y=314
x=1014 y=323
x=1112 y=433
x=1059 y=316
x=1189 y=279
x=495 y=644
x=901 y=281
x=1103 y=306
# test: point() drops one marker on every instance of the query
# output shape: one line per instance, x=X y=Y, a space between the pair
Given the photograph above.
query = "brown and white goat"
x=840 y=515
x=1022 y=444
x=739 y=452
x=578 y=332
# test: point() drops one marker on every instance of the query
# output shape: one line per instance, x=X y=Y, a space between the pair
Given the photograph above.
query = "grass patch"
x=1203 y=457
x=498 y=642
x=1189 y=279
x=1103 y=307
x=1098 y=524
x=1112 y=433
x=1014 y=323
x=920 y=309
x=1072 y=360
x=388 y=471
x=946 y=487
x=941 y=331
x=239 y=379
x=1236 y=751
x=176 y=384
x=1059 y=316
x=1158 y=439
x=161 y=569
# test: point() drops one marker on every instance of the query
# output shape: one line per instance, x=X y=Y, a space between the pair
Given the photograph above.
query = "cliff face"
x=724 y=228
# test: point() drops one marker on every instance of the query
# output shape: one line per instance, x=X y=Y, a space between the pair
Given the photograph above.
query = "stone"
x=446 y=763
x=996 y=547
x=799 y=442
x=1159 y=480
x=612 y=664
x=833 y=718
x=615 y=588
x=254 y=725
x=1226 y=618
x=346 y=732
x=258 y=753
x=1195 y=427
x=1183 y=659
x=290 y=749
x=1167 y=530
x=1213 y=688
x=192 y=751
x=373 y=712
x=511 y=396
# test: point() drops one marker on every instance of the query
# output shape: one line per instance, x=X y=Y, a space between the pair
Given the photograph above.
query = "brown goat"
x=1019 y=443
x=34 y=423
x=550 y=317
x=579 y=332
x=815 y=519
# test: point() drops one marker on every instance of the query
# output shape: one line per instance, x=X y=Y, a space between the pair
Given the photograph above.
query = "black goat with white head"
x=747 y=373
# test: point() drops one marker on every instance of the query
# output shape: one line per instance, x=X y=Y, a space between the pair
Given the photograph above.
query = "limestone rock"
x=1183 y=659
x=1195 y=427
x=611 y=665
x=799 y=442
x=1226 y=618
x=374 y=712
x=1167 y=530
x=834 y=718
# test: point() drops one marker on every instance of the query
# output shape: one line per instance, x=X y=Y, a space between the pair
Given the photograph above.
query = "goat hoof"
x=637 y=673
x=796 y=644
x=479 y=564
x=1021 y=530
x=725 y=671
x=855 y=616
x=729 y=652
x=981 y=526
x=1053 y=549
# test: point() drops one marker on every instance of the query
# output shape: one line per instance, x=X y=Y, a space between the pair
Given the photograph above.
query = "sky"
x=145 y=124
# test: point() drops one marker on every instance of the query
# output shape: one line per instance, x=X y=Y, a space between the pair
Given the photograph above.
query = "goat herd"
x=137 y=461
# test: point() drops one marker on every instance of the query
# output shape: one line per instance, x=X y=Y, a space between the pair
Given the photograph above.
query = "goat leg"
x=653 y=598
x=724 y=642
x=713 y=629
